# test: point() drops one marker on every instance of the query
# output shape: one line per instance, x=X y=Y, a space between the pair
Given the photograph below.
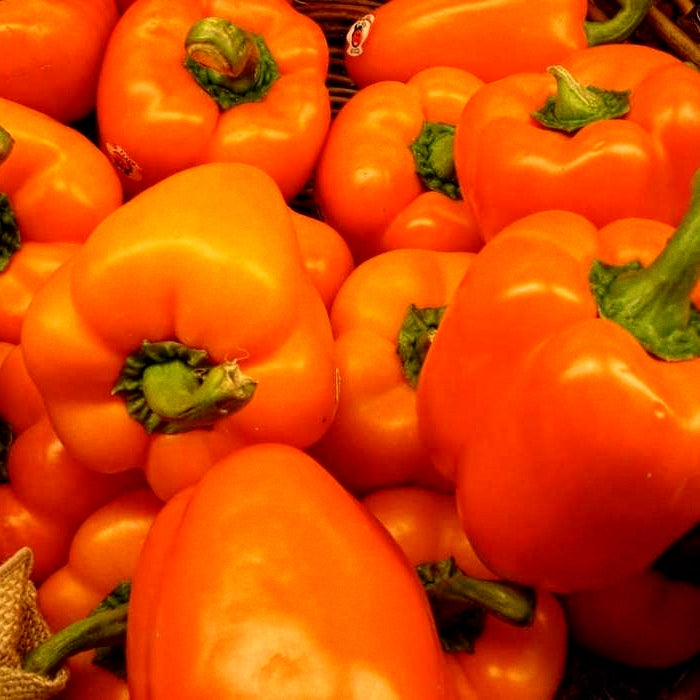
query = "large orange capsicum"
x=186 y=321
x=383 y=319
x=560 y=395
x=189 y=82
x=385 y=177
x=489 y=657
x=490 y=39
x=52 y=54
x=293 y=591
x=612 y=131
x=55 y=187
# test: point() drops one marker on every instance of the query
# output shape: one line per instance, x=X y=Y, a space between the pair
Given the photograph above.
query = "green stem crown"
x=653 y=303
x=415 y=338
x=433 y=154
x=10 y=239
x=171 y=388
x=232 y=65
x=574 y=105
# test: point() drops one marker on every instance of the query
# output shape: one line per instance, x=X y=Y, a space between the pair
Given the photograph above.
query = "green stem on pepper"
x=101 y=629
x=10 y=240
x=653 y=303
x=6 y=144
x=460 y=602
x=620 y=27
x=575 y=105
x=433 y=154
x=231 y=64
x=415 y=337
x=171 y=388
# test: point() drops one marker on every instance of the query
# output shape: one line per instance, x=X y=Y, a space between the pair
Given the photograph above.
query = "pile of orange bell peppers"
x=385 y=390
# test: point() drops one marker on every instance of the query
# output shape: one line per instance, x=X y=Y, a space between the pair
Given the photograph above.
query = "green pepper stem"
x=6 y=144
x=619 y=27
x=105 y=628
x=433 y=154
x=654 y=303
x=171 y=388
x=575 y=105
x=415 y=337
x=231 y=64
x=10 y=239
x=445 y=581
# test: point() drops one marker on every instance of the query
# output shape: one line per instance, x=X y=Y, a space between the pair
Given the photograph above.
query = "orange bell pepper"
x=580 y=154
x=46 y=495
x=499 y=659
x=21 y=404
x=52 y=53
x=327 y=257
x=383 y=317
x=292 y=591
x=559 y=394
x=55 y=186
x=265 y=64
x=89 y=681
x=188 y=315
x=492 y=39
x=645 y=621
x=385 y=178
x=103 y=554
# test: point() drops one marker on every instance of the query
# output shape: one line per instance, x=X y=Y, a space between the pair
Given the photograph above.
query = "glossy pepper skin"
x=21 y=404
x=574 y=451
x=206 y=267
x=103 y=553
x=373 y=440
x=638 y=164
x=154 y=118
x=327 y=257
x=52 y=52
x=385 y=177
x=57 y=187
x=491 y=40
x=269 y=548
x=646 y=620
x=519 y=663
x=47 y=495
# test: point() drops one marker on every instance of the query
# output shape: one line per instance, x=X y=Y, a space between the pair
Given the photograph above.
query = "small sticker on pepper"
x=123 y=162
x=357 y=35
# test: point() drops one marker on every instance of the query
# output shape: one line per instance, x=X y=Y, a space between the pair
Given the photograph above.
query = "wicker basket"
x=673 y=26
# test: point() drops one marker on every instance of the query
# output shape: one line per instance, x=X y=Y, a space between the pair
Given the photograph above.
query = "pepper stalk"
x=654 y=303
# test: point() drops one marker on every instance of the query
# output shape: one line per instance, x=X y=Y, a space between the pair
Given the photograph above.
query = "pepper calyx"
x=232 y=65
x=575 y=105
x=654 y=303
x=10 y=239
x=415 y=337
x=6 y=144
x=433 y=154
x=171 y=388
